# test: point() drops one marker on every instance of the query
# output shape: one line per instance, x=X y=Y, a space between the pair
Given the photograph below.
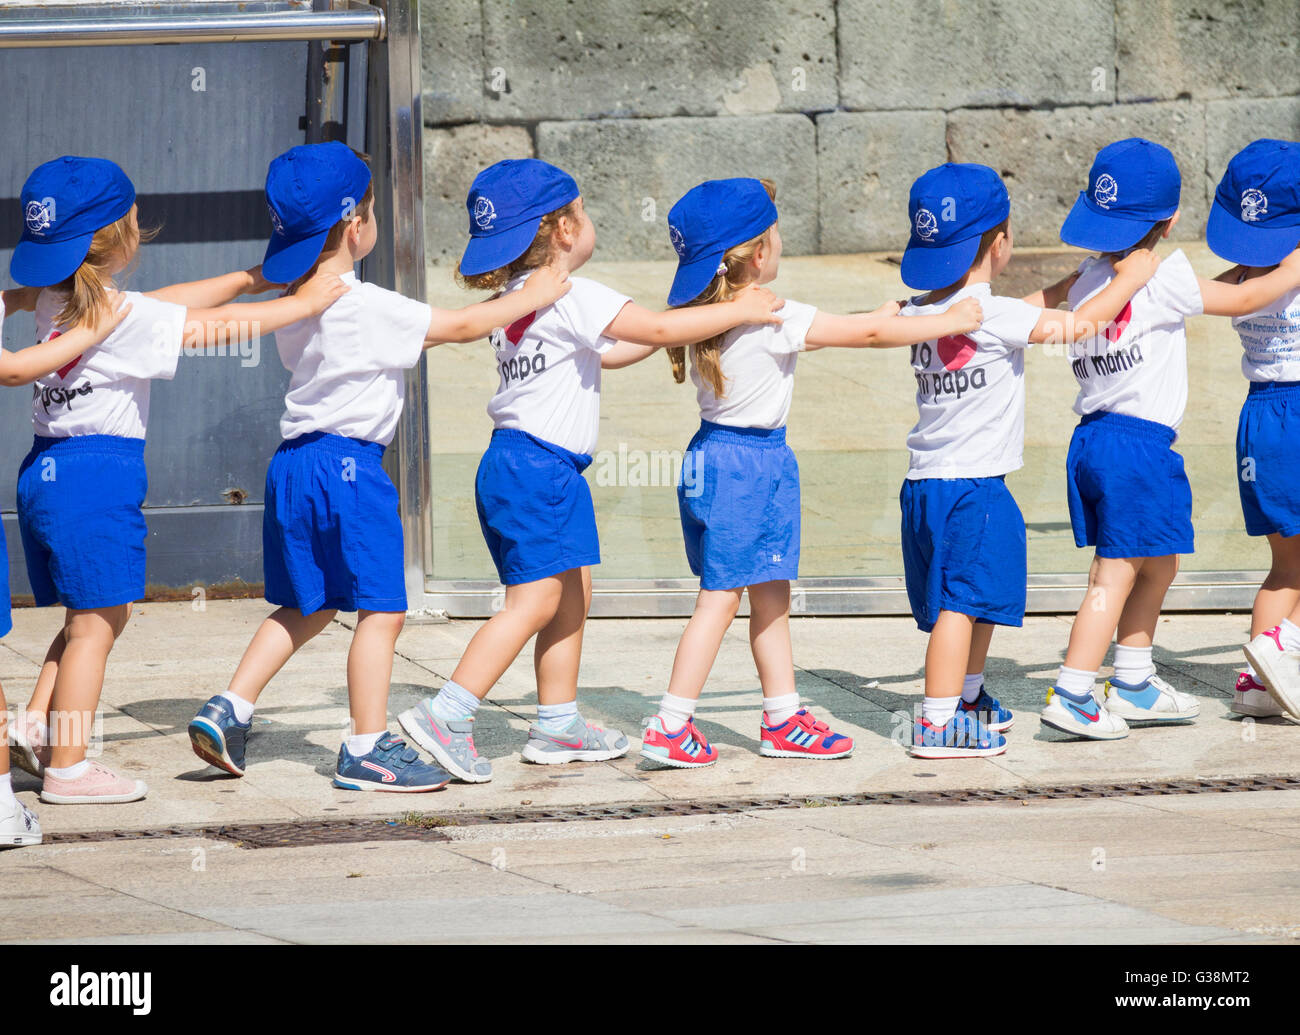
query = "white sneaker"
x=18 y=827
x=1090 y=719
x=1153 y=700
x=1276 y=669
x=1251 y=697
x=28 y=750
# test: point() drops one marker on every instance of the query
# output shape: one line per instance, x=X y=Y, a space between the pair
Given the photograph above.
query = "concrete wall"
x=842 y=102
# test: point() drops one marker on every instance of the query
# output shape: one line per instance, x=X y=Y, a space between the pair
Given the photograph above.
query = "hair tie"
x=722 y=268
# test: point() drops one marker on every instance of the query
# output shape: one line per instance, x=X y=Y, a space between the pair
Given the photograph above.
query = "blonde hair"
x=538 y=254
x=87 y=288
x=706 y=356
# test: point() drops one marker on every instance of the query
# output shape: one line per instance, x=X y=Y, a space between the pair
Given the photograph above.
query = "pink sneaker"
x=1252 y=698
x=27 y=745
x=802 y=736
x=97 y=785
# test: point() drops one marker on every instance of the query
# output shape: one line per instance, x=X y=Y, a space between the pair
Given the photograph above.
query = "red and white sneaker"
x=1252 y=698
x=802 y=736
x=685 y=749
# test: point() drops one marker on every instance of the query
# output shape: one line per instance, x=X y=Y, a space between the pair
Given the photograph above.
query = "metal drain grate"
x=430 y=826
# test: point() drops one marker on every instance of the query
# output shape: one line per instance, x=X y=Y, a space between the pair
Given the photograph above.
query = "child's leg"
x=557 y=655
x=277 y=638
x=370 y=673
x=39 y=705
x=715 y=610
x=1279 y=596
x=1141 y=612
x=18 y=826
x=1135 y=693
x=769 y=640
x=947 y=658
x=80 y=680
x=528 y=608
x=1110 y=581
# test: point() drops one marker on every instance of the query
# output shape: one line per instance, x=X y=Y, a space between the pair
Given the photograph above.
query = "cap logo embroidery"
x=277 y=225
x=927 y=227
x=1254 y=203
x=39 y=216
x=679 y=242
x=1105 y=190
x=485 y=213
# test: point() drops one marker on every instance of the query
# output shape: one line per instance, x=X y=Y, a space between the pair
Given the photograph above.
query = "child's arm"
x=1230 y=299
x=624 y=354
x=1131 y=272
x=214 y=291
x=883 y=332
x=694 y=323
x=26 y=365
x=1053 y=295
x=543 y=286
x=239 y=321
x=21 y=299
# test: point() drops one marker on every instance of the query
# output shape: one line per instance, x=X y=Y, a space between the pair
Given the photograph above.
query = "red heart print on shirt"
x=1116 y=327
x=516 y=330
x=63 y=370
x=956 y=351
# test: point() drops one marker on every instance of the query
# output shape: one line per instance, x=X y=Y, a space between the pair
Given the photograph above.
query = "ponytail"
x=87 y=288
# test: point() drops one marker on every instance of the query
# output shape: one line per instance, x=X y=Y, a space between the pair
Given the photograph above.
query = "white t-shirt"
x=1271 y=339
x=758 y=371
x=348 y=364
x=105 y=390
x=549 y=362
x=1143 y=371
x=970 y=391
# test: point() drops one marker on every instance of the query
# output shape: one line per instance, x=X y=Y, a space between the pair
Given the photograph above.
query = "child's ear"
x=1173 y=220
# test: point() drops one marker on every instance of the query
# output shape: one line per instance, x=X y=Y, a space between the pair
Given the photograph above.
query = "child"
x=1255 y=222
x=963 y=535
x=331 y=532
x=1129 y=495
x=18 y=824
x=740 y=505
x=534 y=506
x=81 y=487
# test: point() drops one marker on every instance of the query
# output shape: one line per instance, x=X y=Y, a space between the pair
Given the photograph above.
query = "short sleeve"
x=792 y=335
x=1010 y=320
x=589 y=308
x=1175 y=287
x=396 y=327
x=148 y=343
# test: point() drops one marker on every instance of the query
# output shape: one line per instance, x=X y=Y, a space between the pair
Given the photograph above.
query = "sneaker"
x=27 y=746
x=19 y=827
x=1152 y=700
x=451 y=742
x=1251 y=697
x=685 y=749
x=1084 y=719
x=802 y=736
x=990 y=711
x=1276 y=669
x=389 y=766
x=218 y=737
x=97 y=785
x=579 y=741
x=964 y=737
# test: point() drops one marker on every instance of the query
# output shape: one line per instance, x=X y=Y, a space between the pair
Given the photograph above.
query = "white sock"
x=72 y=772
x=1249 y=669
x=938 y=711
x=556 y=717
x=1076 y=681
x=1290 y=635
x=676 y=712
x=779 y=709
x=6 y=791
x=243 y=709
x=970 y=689
x=1133 y=664
x=453 y=703
x=363 y=743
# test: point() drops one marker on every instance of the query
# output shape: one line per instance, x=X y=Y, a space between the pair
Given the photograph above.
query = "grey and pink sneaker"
x=580 y=741
x=1277 y=669
x=451 y=742
x=1251 y=697
x=98 y=785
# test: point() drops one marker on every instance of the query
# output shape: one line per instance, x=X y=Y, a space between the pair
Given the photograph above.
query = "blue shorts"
x=534 y=507
x=739 y=500
x=6 y=619
x=79 y=516
x=331 y=530
x=1268 y=474
x=1128 y=492
x=963 y=550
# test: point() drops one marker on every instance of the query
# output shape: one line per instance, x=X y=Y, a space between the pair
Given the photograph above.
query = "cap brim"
x=692 y=278
x=1086 y=228
x=927 y=269
x=1248 y=244
x=484 y=254
x=51 y=262
x=286 y=262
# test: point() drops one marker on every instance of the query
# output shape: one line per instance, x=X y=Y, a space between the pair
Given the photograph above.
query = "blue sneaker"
x=390 y=766
x=218 y=737
x=964 y=737
x=989 y=710
x=1082 y=716
x=1152 y=700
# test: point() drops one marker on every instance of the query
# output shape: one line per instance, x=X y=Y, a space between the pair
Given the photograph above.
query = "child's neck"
x=981 y=274
x=339 y=261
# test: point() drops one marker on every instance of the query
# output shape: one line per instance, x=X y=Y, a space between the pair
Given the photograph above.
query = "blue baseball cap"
x=309 y=188
x=64 y=202
x=1132 y=185
x=950 y=208
x=706 y=221
x=1255 y=218
x=506 y=203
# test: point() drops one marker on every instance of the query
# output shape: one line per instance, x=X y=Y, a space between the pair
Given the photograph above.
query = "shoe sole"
x=19 y=840
x=93 y=799
x=1263 y=662
x=1152 y=717
x=947 y=752
x=210 y=745
x=540 y=757
x=676 y=763
x=343 y=783
x=408 y=722
x=1082 y=733
x=772 y=752
x=1258 y=711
